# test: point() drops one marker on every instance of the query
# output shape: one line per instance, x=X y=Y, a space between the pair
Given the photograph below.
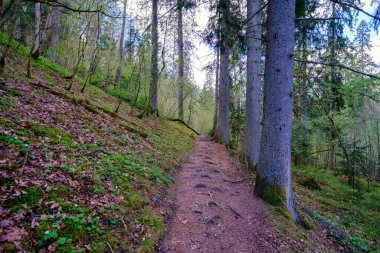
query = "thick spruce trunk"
x=273 y=182
x=223 y=132
x=253 y=86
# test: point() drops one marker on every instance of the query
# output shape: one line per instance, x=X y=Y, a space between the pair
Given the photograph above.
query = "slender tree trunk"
x=273 y=182
x=55 y=22
x=180 y=60
x=23 y=31
x=121 y=45
x=304 y=99
x=223 y=132
x=215 y=120
x=94 y=55
x=154 y=71
x=37 y=31
x=378 y=149
x=334 y=88
x=46 y=33
x=253 y=86
x=7 y=47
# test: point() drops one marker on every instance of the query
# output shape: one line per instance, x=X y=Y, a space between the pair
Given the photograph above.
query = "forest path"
x=216 y=210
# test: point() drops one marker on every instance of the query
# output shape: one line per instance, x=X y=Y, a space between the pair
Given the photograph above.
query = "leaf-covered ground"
x=74 y=176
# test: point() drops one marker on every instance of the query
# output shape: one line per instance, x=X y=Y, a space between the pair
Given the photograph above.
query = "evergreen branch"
x=339 y=66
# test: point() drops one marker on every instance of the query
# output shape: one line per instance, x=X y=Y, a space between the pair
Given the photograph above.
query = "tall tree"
x=253 y=85
x=55 y=21
x=121 y=45
x=37 y=31
x=152 y=107
x=180 y=4
x=273 y=181
x=223 y=133
x=216 y=103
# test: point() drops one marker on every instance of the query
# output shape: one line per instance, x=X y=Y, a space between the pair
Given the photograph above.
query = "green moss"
x=30 y=199
x=42 y=228
x=91 y=108
x=10 y=248
x=15 y=93
x=5 y=123
x=54 y=134
x=23 y=133
x=271 y=193
x=306 y=221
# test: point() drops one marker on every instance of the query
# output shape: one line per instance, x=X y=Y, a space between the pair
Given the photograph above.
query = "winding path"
x=216 y=209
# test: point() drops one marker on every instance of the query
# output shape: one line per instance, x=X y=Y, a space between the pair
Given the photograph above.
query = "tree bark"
x=154 y=69
x=37 y=31
x=273 y=181
x=253 y=85
x=55 y=22
x=216 y=105
x=223 y=132
x=121 y=45
x=180 y=60
x=378 y=149
x=334 y=84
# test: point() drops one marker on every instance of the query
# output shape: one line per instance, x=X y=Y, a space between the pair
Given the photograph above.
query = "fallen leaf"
x=6 y=223
x=13 y=234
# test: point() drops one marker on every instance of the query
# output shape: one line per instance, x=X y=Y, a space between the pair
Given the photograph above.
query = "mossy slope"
x=75 y=177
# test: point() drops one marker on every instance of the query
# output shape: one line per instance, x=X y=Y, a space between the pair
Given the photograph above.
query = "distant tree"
x=121 y=45
x=152 y=107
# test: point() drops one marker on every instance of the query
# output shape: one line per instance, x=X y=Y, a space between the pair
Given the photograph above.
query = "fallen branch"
x=183 y=122
x=237 y=215
x=109 y=246
x=234 y=181
x=211 y=219
x=211 y=202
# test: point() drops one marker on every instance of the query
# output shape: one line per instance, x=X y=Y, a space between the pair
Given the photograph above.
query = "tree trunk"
x=215 y=120
x=304 y=99
x=334 y=86
x=273 y=181
x=55 y=22
x=180 y=60
x=223 y=132
x=37 y=31
x=121 y=45
x=378 y=149
x=23 y=31
x=154 y=71
x=253 y=85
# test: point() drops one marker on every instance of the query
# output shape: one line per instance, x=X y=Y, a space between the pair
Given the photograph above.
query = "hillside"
x=75 y=175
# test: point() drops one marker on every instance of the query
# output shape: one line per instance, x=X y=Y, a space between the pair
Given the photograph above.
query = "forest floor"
x=216 y=210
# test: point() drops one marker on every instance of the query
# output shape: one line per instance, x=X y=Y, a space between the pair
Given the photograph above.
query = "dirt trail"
x=216 y=211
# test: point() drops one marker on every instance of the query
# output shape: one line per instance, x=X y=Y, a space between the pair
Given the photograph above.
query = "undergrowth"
x=73 y=177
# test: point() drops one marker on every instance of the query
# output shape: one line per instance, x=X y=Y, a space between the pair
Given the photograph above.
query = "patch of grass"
x=53 y=133
x=30 y=199
x=48 y=65
x=5 y=123
x=8 y=102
